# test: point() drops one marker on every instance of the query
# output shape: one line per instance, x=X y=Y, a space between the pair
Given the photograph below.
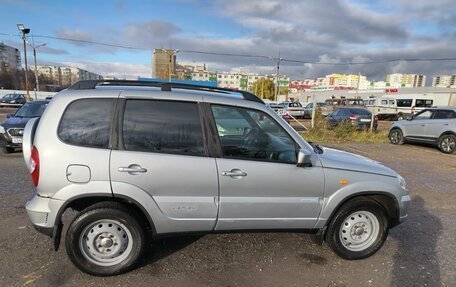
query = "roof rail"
x=165 y=86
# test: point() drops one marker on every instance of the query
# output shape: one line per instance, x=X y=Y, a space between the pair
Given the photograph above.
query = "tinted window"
x=404 y=103
x=163 y=127
x=444 y=114
x=87 y=123
x=424 y=103
x=360 y=112
x=252 y=134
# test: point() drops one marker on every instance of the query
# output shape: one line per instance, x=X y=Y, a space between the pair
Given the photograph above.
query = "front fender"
x=332 y=203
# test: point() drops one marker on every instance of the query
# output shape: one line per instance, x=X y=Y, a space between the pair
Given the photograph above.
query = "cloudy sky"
x=321 y=32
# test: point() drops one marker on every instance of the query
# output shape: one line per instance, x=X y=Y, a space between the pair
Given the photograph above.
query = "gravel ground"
x=420 y=252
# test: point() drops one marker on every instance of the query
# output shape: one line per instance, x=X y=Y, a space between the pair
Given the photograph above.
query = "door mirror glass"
x=304 y=158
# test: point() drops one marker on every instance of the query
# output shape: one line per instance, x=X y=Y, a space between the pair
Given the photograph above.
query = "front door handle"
x=132 y=169
x=234 y=173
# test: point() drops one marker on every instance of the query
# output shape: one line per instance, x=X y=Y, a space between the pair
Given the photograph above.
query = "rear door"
x=440 y=123
x=162 y=152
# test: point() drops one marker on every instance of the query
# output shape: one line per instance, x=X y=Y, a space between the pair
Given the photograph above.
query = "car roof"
x=443 y=108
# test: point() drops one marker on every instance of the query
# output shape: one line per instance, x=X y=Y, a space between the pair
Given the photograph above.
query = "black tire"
x=447 y=144
x=355 y=216
x=8 y=150
x=111 y=230
x=396 y=137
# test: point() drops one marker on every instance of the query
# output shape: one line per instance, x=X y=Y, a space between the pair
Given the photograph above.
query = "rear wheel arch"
x=91 y=202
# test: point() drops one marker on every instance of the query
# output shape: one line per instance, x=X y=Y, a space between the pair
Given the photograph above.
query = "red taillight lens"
x=352 y=118
x=35 y=166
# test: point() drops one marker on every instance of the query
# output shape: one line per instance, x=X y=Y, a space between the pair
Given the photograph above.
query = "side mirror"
x=9 y=116
x=409 y=118
x=304 y=158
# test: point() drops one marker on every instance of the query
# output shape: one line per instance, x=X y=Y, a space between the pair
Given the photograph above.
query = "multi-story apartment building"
x=238 y=81
x=163 y=64
x=66 y=76
x=10 y=58
x=342 y=81
x=443 y=81
x=398 y=80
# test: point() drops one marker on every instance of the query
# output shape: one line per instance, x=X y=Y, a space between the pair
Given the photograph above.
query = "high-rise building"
x=442 y=81
x=10 y=58
x=338 y=81
x=398 y=80
x=163 y=64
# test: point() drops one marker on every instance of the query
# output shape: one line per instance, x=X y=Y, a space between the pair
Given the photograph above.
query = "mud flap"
x=56 y=235
x=319 y=237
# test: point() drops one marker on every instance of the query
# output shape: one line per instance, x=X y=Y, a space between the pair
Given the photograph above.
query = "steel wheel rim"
x=359 y=230
x=106 y=242
x=394 y=137
x=448 y=144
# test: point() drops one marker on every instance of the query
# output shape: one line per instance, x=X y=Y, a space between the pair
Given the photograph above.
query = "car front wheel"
x=105 y=240
x=447 y=143
x=396 y=137
x=358 y=230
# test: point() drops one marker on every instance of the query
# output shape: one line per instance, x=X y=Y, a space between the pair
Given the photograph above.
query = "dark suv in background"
x=12 y=130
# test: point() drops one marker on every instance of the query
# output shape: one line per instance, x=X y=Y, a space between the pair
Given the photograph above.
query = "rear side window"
x=87 y=123
x=163 y=127
x=444 y=114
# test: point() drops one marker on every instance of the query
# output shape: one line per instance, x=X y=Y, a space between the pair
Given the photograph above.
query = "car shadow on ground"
x=164 y=247
x=416 y=261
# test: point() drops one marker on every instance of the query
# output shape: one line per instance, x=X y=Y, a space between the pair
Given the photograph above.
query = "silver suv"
x=435 y=126
x=139 y=159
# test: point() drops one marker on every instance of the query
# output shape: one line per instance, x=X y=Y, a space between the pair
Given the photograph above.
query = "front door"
x=162 y=155
x=260 y=185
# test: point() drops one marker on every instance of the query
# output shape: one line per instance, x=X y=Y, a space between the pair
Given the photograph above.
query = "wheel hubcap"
x=448 y=144
x=106 y=242
x=394 y=137
x=359 y=230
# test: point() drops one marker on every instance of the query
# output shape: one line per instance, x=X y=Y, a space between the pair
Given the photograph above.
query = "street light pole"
x=36 y=69
x=24 y=32
x=276 y=92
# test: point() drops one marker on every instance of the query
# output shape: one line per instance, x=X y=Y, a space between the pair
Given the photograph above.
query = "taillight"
x=35 y=166
x=352 y=118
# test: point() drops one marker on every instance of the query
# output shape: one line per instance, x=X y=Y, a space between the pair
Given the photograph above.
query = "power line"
x=347 y=63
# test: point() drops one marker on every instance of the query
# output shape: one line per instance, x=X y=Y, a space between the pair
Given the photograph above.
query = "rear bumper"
x=42 y=212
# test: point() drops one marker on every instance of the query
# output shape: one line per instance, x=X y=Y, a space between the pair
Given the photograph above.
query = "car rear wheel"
x=358 y=230
x=105 y=241
x=447 y=143
x=396 y=137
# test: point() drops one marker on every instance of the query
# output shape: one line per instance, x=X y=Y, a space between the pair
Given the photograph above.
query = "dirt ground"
x=420 y=252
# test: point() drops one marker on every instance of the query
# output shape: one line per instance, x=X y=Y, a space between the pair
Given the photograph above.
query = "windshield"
x=31 y=110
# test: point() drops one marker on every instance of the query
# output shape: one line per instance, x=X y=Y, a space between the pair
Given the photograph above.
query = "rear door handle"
x=132 y=169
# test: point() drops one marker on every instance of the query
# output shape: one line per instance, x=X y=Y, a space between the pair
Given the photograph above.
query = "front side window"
x=252 y=134
x=163 y=127
x=87 y=123
x=424 y=115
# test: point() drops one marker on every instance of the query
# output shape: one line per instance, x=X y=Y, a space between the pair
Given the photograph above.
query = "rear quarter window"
x=87 y=123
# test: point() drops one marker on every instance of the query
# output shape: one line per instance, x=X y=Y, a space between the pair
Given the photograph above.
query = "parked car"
x=325 y=108
x=12 y=129
x=359 y=117
x=436 y=126
x=12 y=100
x=135 y=161
x=294 y=109
x=280 y=111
